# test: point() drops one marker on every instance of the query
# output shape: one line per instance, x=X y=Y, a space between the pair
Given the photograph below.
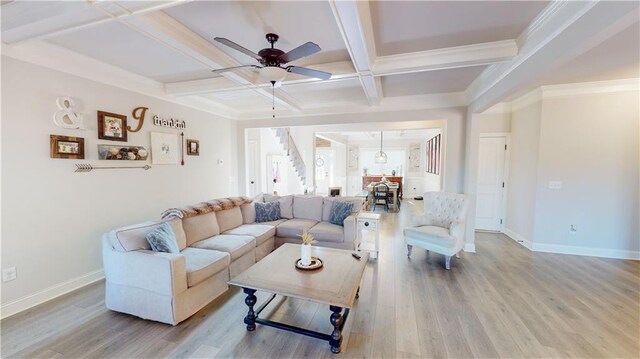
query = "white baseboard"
x=574 y=250
x=469 y=247
x=518 y=238
x=586 y=251
x=31 y=300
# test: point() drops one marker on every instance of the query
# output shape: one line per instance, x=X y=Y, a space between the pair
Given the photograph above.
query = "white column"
x=471 y=175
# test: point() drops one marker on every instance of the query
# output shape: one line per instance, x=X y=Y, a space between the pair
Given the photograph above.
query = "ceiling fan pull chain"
x=273 y=98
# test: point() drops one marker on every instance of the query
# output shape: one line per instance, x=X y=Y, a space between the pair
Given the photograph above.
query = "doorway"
x=491 y=190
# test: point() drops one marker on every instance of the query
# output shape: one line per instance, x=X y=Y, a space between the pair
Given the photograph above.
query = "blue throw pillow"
x=162 y=239
x=339 y=212
x=267 y=212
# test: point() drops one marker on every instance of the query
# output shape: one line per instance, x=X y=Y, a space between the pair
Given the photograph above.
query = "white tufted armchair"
x=442 y=226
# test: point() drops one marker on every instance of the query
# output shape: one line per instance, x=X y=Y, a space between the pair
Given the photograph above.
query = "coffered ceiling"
x=384 y=55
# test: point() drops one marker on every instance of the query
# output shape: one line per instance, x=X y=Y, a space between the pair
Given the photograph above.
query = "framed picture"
x=112 y=126
x=193 y=147
x=67 y=147
x=164 y=148
x=126 y=153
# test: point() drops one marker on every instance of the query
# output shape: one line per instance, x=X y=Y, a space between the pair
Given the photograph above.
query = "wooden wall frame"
x=109 y=124
x=67 y=147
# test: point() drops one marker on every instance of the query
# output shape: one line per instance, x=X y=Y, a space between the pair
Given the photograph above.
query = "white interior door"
x=489 y=203
x=253 y=168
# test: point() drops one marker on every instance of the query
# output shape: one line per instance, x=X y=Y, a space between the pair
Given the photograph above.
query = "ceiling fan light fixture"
x=273 y=74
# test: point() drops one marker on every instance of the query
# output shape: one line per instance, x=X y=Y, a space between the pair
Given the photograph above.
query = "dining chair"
x=381 y=196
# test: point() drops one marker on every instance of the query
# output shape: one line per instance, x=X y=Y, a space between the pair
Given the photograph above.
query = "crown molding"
x=60 y=59
x=590 y=88
x=570 y=90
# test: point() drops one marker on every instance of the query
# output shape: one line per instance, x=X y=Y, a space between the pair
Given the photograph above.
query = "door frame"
x=505 y=174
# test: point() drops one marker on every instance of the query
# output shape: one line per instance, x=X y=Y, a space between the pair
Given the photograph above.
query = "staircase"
x=282 y=135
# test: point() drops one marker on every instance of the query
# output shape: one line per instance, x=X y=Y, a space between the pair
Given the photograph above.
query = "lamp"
x=381 y=157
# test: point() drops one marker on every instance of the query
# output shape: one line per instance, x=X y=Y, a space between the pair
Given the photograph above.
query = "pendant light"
x=381 y=157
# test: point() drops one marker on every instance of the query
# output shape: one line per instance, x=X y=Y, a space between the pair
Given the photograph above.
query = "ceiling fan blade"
x=309 y=72
x=237 y=47
x=301 y=51
x=217 y=71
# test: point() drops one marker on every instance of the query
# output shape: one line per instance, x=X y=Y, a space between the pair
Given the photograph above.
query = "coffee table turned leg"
x=250 y=319
x=336 y=336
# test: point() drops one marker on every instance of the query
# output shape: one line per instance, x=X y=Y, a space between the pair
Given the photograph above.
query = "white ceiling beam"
x=389 y=105
x=563 y=31
x=446 y=58
x=173 y=34
x=340 y=71
x=354 y=22
x=44 y=29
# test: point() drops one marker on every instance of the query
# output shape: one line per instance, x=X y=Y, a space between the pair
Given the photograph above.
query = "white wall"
x=523 y=169
x=53 y=218
x=590 y=143
x=495 y=122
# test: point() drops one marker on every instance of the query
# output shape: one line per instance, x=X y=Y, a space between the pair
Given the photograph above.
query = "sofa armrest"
x=350 y=230
x=163 y=273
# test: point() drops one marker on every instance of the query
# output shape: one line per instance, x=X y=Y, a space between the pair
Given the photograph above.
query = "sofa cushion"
x=202 y=264
x=229 y=218
x=339 y=212
x=132 y=238
x=235 y=245
x=308 y=207
x=286 y=204
x=293 y=228
x=162 y=239
x=267 y=212
x=248 y=212
x=328 y=204
x=260 y=232
x=274 y=223
x=200 y=227
x=327 y=232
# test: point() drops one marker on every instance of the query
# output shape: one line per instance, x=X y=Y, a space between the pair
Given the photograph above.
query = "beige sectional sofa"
x=214 y=247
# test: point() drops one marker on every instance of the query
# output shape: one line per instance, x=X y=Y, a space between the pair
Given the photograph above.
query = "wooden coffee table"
x=335 y=284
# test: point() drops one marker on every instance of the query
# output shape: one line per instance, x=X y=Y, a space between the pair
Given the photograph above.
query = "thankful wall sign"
x=139 y=114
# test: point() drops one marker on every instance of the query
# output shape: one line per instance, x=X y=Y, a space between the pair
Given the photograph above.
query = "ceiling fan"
x=273 y=59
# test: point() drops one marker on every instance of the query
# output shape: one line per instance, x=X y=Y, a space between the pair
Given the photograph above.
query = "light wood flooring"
x=503 y=301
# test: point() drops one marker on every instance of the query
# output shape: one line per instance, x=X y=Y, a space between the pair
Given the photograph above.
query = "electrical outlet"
x=555 y=184
x=573 y=229
x=9 y=274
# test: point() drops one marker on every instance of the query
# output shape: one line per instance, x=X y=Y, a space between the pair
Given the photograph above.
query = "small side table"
x=369 y=223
